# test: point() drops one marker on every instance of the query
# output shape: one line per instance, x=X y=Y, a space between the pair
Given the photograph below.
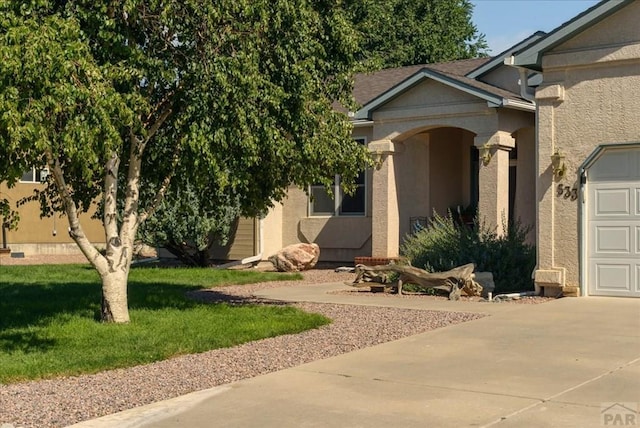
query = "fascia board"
x=498 y=60
x=531 y=57
x=385 y=97
x=365 y=111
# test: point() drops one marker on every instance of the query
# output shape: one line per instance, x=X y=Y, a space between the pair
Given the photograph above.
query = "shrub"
x=443 y=244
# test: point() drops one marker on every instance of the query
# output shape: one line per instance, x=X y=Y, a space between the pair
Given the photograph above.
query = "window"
x=321 y=203
x=35 y=175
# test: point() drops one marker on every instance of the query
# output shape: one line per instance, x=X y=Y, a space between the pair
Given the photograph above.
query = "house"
x=468 y=132
x=546 y=133
x=457 y=134
x=588 y=111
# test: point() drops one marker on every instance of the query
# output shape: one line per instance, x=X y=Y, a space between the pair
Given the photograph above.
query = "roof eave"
x=498 y=60
x=365 y=111
x=531 y=56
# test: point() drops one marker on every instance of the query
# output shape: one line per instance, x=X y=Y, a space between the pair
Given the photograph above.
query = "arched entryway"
x=437 y=172
x=443 y=168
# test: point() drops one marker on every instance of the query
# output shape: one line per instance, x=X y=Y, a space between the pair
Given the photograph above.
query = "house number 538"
x=567 y=192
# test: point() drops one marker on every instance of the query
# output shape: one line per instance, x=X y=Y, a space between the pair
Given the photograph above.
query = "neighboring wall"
x=590 y=96
x=36 y=235
x=243 y=243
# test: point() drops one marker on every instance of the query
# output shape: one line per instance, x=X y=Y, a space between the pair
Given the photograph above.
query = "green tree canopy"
x=396 y=33
x=126 y=100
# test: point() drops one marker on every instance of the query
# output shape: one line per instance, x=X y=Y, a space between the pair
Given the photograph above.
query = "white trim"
x=361 y=123
x=36 y=173
x=519 y=105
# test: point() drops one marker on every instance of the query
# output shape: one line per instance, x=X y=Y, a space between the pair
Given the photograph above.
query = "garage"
x=613 y=223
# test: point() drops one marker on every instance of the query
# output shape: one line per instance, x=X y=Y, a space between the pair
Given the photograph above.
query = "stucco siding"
x=580 y=106
x=446 y=170
x=272 y=227
x=617 y=29
x=525 y=194
x=340 y=238
x=413 y=181
x=429 y=99
x=503 y=77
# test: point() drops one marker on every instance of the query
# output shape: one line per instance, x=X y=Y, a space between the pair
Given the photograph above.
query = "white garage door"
x=614 y=224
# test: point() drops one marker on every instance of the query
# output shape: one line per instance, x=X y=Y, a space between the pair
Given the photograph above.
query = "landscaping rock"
x=296 y=257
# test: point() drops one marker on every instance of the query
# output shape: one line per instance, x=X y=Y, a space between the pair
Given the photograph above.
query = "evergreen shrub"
x=444 y=244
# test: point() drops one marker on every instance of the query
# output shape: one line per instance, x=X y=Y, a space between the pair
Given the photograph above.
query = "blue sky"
x=506 y=22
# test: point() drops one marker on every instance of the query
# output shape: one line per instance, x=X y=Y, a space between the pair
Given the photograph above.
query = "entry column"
x=385 y=239
x=493 y=203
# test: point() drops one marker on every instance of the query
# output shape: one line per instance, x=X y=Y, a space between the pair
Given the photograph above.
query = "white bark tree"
x=126 y=100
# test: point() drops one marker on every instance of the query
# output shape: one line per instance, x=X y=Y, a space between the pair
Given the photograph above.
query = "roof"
x=498 y=60
x=368 y=86
x=531 y=56
x=375 y=89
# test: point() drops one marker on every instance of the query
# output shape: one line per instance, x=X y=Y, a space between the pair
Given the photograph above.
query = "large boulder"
x=296 y=257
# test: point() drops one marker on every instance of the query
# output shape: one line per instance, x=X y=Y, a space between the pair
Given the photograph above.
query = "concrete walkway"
x=572 y=362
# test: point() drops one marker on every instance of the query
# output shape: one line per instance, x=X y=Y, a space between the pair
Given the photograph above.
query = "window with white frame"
x=35 y=175
x=322 y=203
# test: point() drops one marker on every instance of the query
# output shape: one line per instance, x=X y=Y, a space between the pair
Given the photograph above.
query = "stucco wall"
x=272 y=231
x=432 y=105
x=525 y=195
x=446 y=169
x=590 y=96
x=413 y=188
x=339 y=238
x=503 y=77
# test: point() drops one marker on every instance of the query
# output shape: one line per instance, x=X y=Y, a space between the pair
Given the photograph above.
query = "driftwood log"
x=454 y=281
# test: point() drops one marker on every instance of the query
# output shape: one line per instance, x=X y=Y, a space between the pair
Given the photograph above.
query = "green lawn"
x=49 y=319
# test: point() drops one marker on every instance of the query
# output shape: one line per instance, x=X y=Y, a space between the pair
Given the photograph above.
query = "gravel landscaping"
x=64 y=401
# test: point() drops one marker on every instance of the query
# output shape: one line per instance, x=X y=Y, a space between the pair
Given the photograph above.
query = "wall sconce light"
x=378 y=159
x=557 y=163
x=485 y=154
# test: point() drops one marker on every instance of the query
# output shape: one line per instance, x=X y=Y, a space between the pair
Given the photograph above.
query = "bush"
x=444 y=244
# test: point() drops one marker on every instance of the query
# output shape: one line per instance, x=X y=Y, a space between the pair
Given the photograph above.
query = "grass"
x=49 y=319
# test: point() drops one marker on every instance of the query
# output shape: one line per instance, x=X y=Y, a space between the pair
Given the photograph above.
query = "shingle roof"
x=368 y=86
x=374 y=89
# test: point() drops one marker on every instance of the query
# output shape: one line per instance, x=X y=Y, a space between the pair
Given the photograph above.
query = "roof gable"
x=368 y=86
x=531 y=56
x=446 y=73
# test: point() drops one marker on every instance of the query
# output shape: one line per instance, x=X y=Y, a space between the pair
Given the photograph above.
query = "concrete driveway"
x=572 y=362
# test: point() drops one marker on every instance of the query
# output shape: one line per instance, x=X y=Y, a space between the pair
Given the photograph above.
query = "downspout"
x=252 y=259
x=526 y=91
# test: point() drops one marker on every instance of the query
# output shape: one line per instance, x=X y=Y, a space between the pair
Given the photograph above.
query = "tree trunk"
x=114 y=295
